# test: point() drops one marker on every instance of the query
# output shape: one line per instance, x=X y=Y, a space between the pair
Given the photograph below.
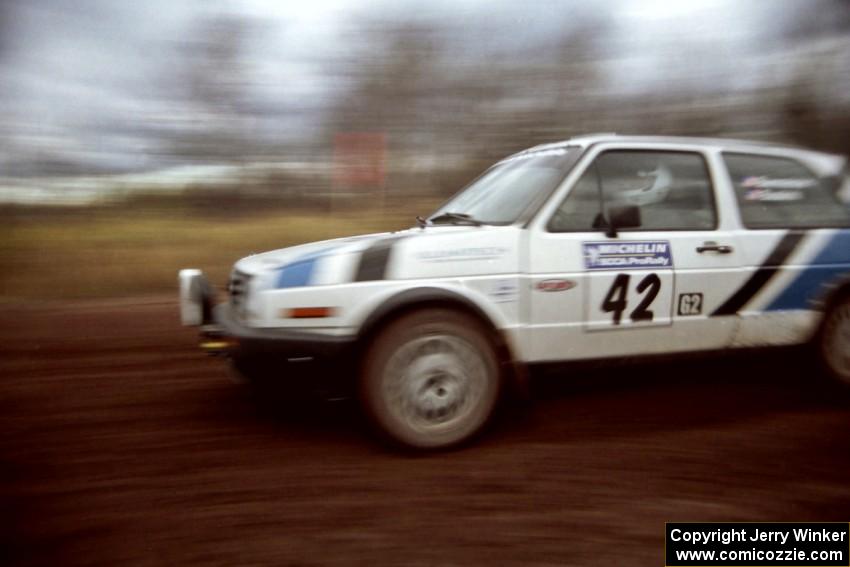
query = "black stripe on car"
x=762 y=275
x=375 y=259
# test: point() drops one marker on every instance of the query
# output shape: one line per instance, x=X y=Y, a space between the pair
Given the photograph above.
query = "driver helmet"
x=655 y=188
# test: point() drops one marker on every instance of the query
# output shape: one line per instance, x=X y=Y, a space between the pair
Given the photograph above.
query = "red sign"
x=359 y=159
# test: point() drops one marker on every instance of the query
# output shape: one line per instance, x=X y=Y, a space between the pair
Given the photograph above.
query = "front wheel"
x=834 y=343
x=431 y=379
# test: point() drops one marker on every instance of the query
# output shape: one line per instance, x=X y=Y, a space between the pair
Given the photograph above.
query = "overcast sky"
x=103 y=82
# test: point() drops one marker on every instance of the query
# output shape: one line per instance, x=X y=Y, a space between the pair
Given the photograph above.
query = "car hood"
x=427 y=252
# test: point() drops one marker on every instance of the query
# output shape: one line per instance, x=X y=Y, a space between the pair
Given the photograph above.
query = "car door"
x=646 y=289
x=797 y=246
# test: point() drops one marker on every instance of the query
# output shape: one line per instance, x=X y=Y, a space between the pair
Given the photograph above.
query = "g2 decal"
x=690 y=304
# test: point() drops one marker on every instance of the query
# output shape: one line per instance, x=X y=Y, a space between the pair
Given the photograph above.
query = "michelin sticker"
x=627 y=255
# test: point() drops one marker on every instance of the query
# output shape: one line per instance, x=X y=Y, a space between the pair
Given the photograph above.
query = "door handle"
x=714 y=247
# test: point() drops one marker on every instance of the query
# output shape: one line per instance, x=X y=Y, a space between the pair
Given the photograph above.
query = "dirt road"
x=122 y=445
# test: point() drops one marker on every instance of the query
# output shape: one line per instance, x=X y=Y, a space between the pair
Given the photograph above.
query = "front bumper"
x=292 y=346
x=298 y=362
x=266 y=355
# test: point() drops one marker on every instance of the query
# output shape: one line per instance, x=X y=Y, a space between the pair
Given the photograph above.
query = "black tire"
x=833 y=344
x=430 y=379
x=248 y=370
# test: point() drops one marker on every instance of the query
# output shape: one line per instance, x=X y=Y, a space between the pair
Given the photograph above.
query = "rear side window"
x=776 y=192
x=672 y=190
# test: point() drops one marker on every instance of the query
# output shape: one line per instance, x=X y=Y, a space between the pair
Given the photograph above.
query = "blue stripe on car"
x=831 y=264
x=299 y=273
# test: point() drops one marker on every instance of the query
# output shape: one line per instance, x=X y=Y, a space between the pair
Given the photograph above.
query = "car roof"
x=824 y=162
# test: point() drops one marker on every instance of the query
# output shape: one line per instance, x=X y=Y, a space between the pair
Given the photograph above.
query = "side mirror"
x=622 y=216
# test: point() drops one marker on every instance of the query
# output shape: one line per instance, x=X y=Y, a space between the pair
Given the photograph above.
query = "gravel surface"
x=123 y=445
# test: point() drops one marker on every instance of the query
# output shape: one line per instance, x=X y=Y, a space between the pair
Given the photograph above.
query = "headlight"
x=239 y=287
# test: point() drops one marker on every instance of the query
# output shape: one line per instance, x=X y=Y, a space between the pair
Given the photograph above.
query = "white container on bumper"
x=195 y=298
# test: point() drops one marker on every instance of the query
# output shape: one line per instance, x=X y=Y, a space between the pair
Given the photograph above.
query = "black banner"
x=744 y=544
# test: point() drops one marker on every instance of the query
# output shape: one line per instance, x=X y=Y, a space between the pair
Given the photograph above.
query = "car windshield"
x=508 y=189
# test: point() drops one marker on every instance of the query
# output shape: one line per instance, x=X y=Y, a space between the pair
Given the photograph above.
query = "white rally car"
x=597 y=247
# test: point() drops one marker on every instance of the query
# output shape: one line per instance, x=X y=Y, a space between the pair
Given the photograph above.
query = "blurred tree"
x=819 y=19
x=816 y=107
x=449 y=109
x=5 y=27
x=389 y=78
x=217 y=118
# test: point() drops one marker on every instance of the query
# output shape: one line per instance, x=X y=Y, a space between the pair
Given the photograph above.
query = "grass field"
x=112 y=252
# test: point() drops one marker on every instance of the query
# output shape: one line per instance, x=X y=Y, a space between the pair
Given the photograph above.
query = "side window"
x=672 y=190
x=777 y=192
x=844 y=191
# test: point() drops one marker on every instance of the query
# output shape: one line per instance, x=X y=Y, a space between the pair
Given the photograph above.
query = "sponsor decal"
x=767 y=183
x=761 y=194
x=555 y=285
x=462 y=254
x=504 y=291
x=766 y=189
x=627 y=255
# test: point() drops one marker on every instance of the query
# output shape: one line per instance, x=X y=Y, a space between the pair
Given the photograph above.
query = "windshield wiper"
x=456 y=218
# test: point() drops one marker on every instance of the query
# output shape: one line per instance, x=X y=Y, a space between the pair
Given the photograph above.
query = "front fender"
x=397 y=301
x=383 y=305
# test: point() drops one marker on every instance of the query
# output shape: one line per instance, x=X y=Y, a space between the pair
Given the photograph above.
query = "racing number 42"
x=616 y=299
